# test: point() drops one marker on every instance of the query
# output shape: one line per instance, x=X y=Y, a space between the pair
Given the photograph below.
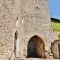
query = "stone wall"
x=8 y=18
x=35 y=20
x=28 y=18
x=55 y=49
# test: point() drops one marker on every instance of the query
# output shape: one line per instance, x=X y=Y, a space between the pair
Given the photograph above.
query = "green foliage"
x=55 y=25
x=59 y=35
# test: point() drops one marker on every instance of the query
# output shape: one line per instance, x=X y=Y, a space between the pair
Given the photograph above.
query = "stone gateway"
x=25 y=29
x=36 y=47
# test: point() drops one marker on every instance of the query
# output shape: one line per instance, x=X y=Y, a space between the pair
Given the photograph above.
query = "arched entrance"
x=36 y=47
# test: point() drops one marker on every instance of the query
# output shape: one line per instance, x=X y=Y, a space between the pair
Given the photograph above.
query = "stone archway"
x=36 y=47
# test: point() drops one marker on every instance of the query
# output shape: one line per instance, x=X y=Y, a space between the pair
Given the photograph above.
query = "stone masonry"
x=8 y=18
x=35 y=20
x=28 y=18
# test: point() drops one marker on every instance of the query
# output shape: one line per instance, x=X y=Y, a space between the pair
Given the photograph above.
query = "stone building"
x=55 y=49
x=20 y=22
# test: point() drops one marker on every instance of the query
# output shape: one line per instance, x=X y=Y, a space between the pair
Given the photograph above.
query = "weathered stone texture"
x=36 y=19
x=55 y=49
x=7 y=25
x=29 y=18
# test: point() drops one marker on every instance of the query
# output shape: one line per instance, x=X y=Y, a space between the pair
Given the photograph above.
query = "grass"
x=55 y=25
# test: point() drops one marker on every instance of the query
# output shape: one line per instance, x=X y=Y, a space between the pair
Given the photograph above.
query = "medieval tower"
x=20 y=22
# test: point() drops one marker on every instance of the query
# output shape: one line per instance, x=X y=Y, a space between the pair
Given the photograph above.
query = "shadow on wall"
x=36 y=47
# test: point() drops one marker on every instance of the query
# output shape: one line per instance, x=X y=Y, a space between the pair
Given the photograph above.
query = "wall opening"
x=15 y=42
x=35 y=47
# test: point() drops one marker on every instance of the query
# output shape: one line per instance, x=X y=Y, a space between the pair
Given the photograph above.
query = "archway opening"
x=35 y=47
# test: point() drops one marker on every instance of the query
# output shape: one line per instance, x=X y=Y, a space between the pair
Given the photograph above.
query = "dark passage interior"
x=36 y=47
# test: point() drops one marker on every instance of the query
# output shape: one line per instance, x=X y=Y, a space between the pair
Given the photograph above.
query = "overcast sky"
x=54 y=7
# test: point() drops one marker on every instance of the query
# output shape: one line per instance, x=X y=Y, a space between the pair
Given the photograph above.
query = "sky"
x=54 y=8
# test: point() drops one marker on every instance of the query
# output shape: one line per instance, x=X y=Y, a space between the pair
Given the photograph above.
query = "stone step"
x=33 y=59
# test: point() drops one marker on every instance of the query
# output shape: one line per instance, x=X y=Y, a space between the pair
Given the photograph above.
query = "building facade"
x=21 y=21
